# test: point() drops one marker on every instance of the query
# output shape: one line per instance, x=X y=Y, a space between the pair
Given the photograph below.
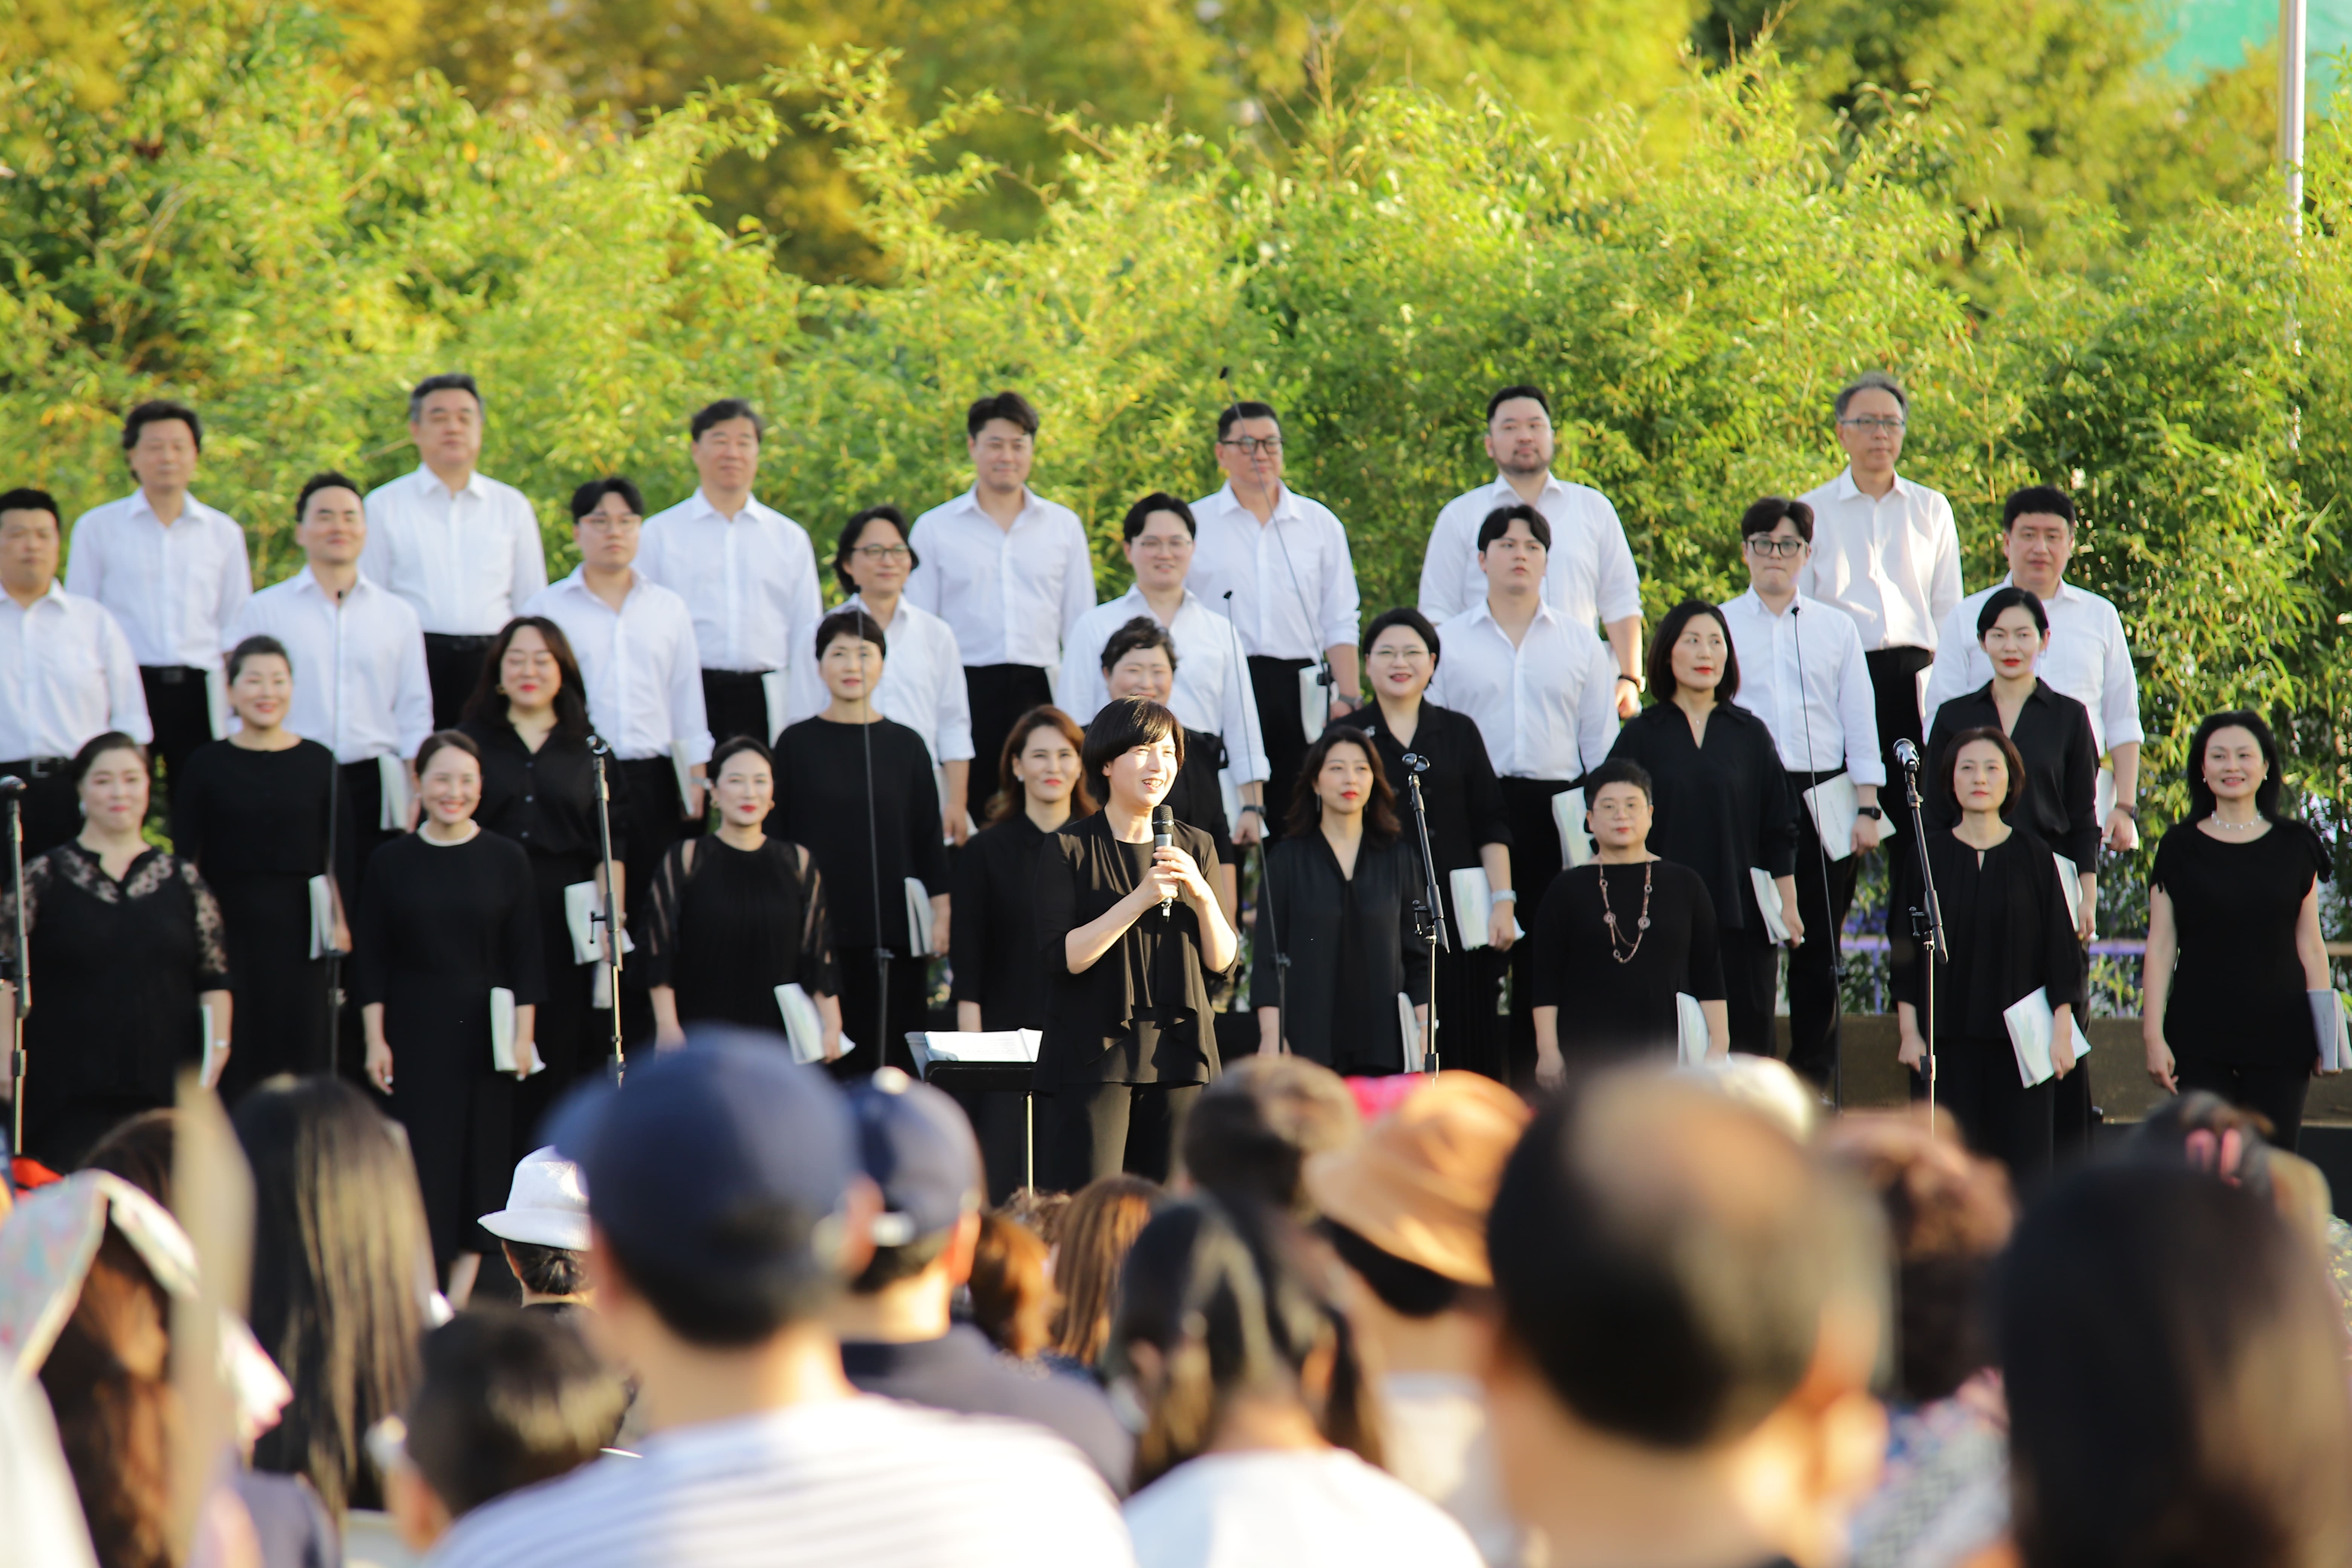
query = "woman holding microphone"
x=1000 y=983
x=1131 y=933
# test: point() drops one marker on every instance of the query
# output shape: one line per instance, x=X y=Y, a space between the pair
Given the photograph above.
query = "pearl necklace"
x=2236 y=826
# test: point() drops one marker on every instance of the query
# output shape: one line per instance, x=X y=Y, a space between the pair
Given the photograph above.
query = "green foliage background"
x=241 y=221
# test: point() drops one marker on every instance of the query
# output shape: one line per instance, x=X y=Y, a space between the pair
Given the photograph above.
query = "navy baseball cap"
x=918 y=1147
x=727 y=1156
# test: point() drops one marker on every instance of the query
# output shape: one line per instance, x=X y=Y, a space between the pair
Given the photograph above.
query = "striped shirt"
x=863 y=1483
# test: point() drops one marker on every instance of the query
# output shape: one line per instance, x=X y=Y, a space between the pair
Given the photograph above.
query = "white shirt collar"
x=2064 y=590
x=1286 y=503
x=751 y=513
x=969 y=501
x=427 y=479
x=308 y=581
x=1502 y=487
x=1755 y=601
x=578 y=582
x=1485 y=609
x=57 y=595
x=1847 y=489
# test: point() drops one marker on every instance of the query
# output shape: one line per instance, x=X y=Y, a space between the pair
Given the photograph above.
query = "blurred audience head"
x=1763 y=1085
x=2204 y=1131
x=544 y=1229
x=1042 y=1213
x=140 y=1151
x=1012 y=1299
x=342 y=1268
x=1098 y=1227
x=108 y=1378
x=917 y=1146
x=2174 y=1367
x=1250 y=1131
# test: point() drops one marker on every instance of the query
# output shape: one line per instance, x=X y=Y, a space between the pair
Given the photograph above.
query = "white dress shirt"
x=377 y=702
x=2089 y=660
x=1212 y=690
x=1292 y=578
x=1010 y=595
x=65 y=675
x=467 y=562
x=1547 y=707
x=1801 y=671
x=172 y=589
x=1892 y=563
x=1589 y=573
x=922 y=685
x=639 y=664
x=749 y=582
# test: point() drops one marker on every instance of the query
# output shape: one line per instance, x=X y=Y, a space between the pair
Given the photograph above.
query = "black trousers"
x=1824 y=900
x=2276 y=1092
x=1751 y=967
x=1535 y=861
x=180 y=708
x=1977 y=1085
x=51 y=810
x=452 y=667
x=880 y=1040
x=1474 y=1031
x=1275 y=684
x=1000 y=694
x=736 y=703
x=1103 y=1129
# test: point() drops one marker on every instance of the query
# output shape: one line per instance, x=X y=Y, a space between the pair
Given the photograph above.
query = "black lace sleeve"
x=36 y=878
x=212 y=942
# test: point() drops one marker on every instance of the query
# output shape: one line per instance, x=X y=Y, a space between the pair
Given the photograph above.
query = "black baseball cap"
x=918 y=1147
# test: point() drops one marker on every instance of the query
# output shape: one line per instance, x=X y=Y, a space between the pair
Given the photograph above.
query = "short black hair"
x=854 y=528
x=590 y=496
x=1620 y=770
x=2010 y=596
x=1869 y=380
x=1661 y=669
x=852 y=623
x=258 y=647
x=735 y=745
x=548 y=1270
x=157 y=411
x=1233 y=414
x=1131 y=527
x=1404 y=1287
x=1498 y=523
x=447 y=741
x=447 y=381
x=718 y=412
x=1009 y=406
x=508 y=1399
x=1402 y=616
x=329 y=481
x=1135 y=635
x=1124 y=723
x=97 y=746
x=2033 y=499
x=1251 y=1131
x=1765 y=515
x=1948 y=759
x=24 y=498
x=1520 y=389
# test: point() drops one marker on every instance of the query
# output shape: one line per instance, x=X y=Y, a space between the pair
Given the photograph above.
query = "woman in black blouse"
x=126 y=948
x=1617 y=941
x=1723 y=803
x=1000 y=981
x=738 y=914
x=1338 y=903
x=529 y=714
x=251 y=812
x=1468 y=826
x=1131 y=935
x=2234 y=948
x=2006 y=925
x=858 y=791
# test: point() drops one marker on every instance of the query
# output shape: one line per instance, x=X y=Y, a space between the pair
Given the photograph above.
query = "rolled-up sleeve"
x=1341 y=604
x=1617 y=585
x=2119 y=688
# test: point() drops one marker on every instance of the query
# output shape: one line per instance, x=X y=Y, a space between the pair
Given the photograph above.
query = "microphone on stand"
x=1908 y=755
x=1163 y=837
x=10 y=786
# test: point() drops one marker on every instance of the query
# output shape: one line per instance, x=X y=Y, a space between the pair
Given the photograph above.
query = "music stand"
x=939 y=1061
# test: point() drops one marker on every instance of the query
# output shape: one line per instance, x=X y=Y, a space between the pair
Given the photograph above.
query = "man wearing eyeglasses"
x=1284 y=562
x=1886 y=551
x=1802 y=670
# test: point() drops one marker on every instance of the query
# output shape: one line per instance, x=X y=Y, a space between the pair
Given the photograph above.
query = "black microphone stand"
x=13 y=789
x=605 y=917
x=1428 y=914
x=334 y=881
x=1264 y=829
x=1928 y=924
x=882 y=954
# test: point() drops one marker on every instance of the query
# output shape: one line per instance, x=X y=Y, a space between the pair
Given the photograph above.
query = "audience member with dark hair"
x=140 y=1151
x=1689 y=1298
x=730 y=1214
x=2200 y=1130
x=1260 y=1423
x=1252 y=1130
x=1012 y=1294
x=2205 y=1419
x=1099 y=1226
x=999 y=967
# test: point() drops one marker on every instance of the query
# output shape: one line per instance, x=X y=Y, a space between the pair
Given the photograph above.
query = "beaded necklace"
x=1641 y=924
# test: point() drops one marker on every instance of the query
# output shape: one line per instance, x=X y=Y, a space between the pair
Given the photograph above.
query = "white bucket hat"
x=546 y=1206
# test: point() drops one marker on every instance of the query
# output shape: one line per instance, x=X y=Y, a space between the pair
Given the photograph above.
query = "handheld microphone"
x=1163 y=837
x=1908 y=755
x=11 y=786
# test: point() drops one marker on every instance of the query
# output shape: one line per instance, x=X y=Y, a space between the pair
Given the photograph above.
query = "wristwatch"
x=1871 y=812
x=2130 y=811
x=1250 y=805
x=1635 y=681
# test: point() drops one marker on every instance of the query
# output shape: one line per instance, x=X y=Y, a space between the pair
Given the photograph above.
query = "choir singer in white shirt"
x=746 y=571
x=1283 y=561
x=1542 y=691
x=1009 y=571
x=1589 y=573
x=173 y=573
x=461 y=548
x=2087 y=659
x=1802 y=671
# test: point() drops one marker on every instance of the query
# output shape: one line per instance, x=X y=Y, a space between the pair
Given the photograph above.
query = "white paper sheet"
x=502 y=1033
x=1314 y=701
x=776 y=691
x=803 y=1026
x=1474 y=905
x=581 y=905
x=684 y=769
x=216 y=709
x=2330 y=1030
x=919 y=919
x=2070 y=883
x=2032 y=1027
x=392 y=773
x=2102 y=797
x=1834 y=805
x=974 y=1045
x=1568 y=819
x=1768 y=900
x=1690 y=1030
x=1416 y=1058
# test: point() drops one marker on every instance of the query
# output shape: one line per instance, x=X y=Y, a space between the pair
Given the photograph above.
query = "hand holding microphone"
x=1163 y=837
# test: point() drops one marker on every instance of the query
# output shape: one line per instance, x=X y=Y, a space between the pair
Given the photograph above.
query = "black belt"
x=456 y=643
x=737 y=676
x=171 y=674
x=1804 y=780
x=36 y=767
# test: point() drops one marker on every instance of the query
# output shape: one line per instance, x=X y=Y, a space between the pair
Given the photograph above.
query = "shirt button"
x=528 y=798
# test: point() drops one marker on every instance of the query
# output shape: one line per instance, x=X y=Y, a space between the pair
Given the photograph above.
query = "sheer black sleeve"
x=664 y=901
x=212 y=941
x=36 y=879
x=820 y=973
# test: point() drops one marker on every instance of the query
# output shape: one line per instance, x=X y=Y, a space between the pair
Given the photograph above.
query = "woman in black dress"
x=2006 y=925
x=1139 y=660
x=736 y=914
x=1341 y=887
x=1131 y=935
x=529 y=716
x=1723 y=804
x=252 y=813
x=1000 y=981
x=448 y=913
x=126 y=947
x=857 y=790
x=2234 y=948
x=1618 y=940
x=1468 y=826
